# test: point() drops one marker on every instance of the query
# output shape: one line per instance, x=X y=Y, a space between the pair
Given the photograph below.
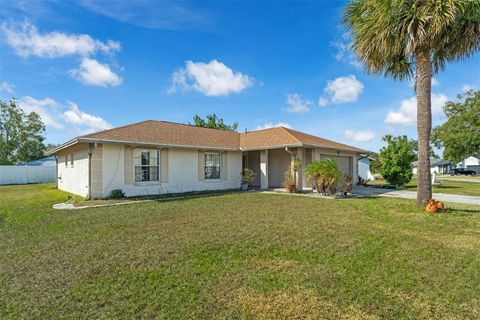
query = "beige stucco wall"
x=278 y=162
x=73 y=179
x=182 y=173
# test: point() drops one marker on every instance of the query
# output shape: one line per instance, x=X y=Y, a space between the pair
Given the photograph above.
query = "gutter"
x=56 y=172
x=90 y=173
x=140 y=143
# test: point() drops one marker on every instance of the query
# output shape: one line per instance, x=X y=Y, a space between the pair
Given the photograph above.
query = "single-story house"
x=471 y=163
x=157 y=157
x=439 y=166
x=364 y=168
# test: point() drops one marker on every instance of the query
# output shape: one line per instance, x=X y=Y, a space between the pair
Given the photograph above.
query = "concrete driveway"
x=460 y=179
x=445 y=197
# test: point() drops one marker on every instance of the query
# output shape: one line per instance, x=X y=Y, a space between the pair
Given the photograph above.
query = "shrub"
x=248 y=175
x=326 y=175
x=396 y=159
x=116 y=194
x=347 y=184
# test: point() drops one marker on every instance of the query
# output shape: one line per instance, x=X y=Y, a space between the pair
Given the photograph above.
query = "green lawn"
x=238 y=256
x=448 y=186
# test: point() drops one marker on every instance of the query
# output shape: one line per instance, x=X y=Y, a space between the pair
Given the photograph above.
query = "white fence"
x=27 y=174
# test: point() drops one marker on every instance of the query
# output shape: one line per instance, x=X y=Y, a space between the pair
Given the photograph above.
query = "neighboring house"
x=50 y=161
x=156 y=157
x=471 y=163
x=364 y=168
x=439 y=166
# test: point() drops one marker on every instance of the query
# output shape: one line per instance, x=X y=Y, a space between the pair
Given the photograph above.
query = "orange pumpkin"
x=440 y=206
x=431 y=206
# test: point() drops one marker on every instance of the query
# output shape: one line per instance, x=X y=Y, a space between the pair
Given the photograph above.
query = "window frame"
x=220 y=166
x=158 y=166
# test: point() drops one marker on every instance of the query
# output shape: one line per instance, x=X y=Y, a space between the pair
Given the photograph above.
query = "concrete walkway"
x=445 y=197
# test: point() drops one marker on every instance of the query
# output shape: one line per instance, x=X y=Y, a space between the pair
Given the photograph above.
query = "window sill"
x=213 y=180
x=146 y=183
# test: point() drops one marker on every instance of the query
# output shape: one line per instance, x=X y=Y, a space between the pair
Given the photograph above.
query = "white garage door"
x=343 y=163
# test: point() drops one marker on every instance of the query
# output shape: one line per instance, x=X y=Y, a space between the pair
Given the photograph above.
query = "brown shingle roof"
x=168 y=133
x=309 y=140
x=175 y=134
x=268 y=138
x=280 y=136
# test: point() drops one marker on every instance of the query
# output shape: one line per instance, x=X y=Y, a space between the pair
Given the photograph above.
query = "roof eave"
x=62 y=146
x=153 y=144
x=271 y=147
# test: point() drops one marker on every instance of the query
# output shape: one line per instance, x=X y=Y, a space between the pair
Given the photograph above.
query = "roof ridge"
x=288 y=131
x=121 y=127
x=194 y=126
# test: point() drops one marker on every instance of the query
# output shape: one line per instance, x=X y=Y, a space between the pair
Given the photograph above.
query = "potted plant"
x=247 y=177
x=289 y=182
x=347 y=185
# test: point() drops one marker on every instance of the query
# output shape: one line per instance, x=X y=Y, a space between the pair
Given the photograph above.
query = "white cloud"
x=343 y=90
x=407 y=114
x=212 y=79
x=297 y=104
x=322 y=102
x=344 y=52
x=66 y=117
x=466 y=87
x=7 y=87
x=26 y=41
x=269 y=125
x=45 y=108
x=77 y=117
x=360 y=136
x=92 y=72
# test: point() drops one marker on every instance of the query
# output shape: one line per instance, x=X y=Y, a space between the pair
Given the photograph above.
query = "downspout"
x=56 y=172
x=90 y=173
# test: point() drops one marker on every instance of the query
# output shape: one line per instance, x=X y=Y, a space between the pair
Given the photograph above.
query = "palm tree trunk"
x=424 y=125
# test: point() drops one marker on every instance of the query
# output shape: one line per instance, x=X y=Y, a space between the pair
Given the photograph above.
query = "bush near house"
x=396 y=159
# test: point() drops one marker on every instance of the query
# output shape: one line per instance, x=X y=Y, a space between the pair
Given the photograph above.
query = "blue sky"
x=89 y=65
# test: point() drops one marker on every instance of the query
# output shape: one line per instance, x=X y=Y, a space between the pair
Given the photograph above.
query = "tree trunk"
x=424 y=126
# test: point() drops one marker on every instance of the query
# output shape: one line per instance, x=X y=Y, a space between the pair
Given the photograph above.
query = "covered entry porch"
x=270 y=165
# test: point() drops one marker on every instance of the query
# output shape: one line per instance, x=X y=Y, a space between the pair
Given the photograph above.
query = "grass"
x=238 y=256
x=448 y=186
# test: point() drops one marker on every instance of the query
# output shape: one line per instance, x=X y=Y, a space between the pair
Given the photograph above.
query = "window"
x=66 y=160
x=71 y=159
x=213 y=165
x=146 y=164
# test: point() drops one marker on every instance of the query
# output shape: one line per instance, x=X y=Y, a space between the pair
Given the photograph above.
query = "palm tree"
x=414 y=38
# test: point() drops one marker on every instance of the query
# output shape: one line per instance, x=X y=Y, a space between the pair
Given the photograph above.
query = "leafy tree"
x=460 y=134
x=414 y=144
x=400 y=38
x=396 y=159
x=214 y=122
x=21 y=134
x=375 y=164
